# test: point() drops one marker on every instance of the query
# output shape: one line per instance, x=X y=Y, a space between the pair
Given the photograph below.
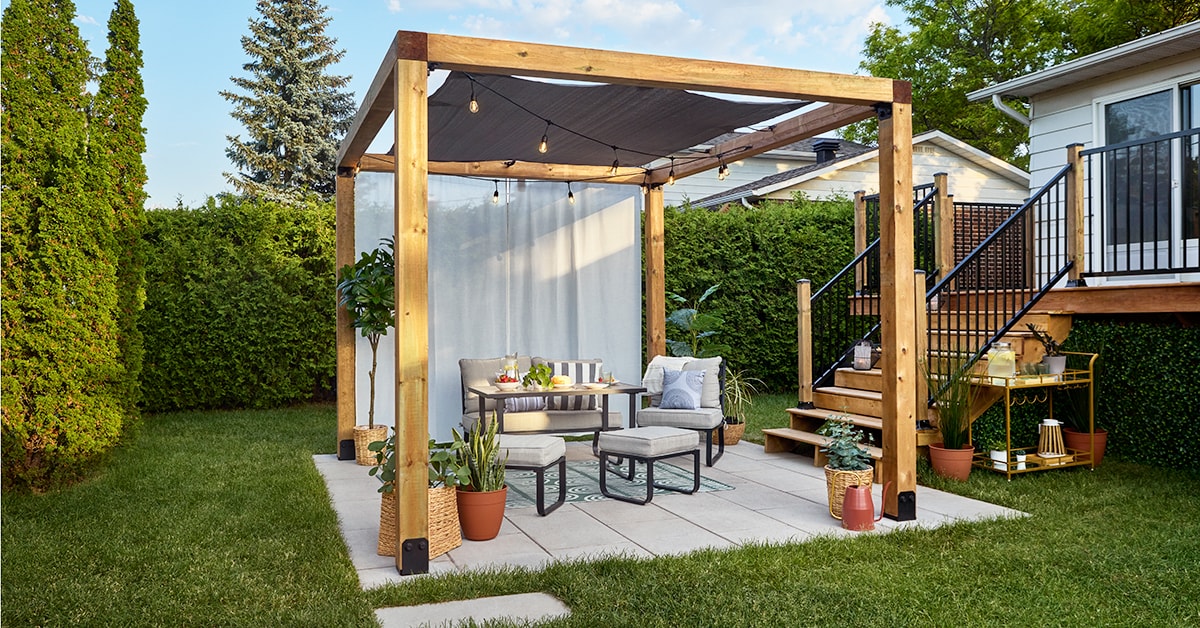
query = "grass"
x=220 y=519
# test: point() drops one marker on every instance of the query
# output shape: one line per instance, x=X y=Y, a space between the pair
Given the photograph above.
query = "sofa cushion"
x=580 y=371
x=556 y=421
x=700 y=418
x=711 y=395
x=681 y=389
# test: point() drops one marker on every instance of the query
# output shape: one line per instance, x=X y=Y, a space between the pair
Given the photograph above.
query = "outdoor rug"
x=583 y=483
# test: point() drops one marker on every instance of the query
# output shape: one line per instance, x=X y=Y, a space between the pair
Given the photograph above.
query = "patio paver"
x=777 y=498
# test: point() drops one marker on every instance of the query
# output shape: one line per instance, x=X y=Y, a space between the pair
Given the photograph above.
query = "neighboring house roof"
x=1175 y=41
x=791 y=178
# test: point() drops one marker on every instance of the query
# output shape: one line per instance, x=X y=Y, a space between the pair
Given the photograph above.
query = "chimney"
x=826 y=149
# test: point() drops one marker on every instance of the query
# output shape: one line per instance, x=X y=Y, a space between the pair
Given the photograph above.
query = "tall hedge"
x=1147 y=389
x=62 y=375
x=758 y=255
x=240 y=305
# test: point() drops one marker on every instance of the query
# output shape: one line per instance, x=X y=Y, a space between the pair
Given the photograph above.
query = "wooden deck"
x=1132 y=299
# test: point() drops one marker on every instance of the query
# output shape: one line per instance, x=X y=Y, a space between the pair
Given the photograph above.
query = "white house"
x=1135 y=109
x=974 y=176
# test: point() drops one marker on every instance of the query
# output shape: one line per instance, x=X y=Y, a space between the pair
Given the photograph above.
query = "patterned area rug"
x=583 y=483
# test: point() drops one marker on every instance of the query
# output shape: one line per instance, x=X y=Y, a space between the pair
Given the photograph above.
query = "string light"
x=473 y=106
x=616 y=163
x=671 y=174
x=496 y=194
x=723 y=171
x=570 y=194
x=545 y=144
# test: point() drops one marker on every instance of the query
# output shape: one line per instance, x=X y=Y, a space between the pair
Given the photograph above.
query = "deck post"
x=943 y=225
x=412 y=316
x=346 y=334
x=1074 y=229
x=897 y=303
x=804 y=361
x=656 y=288
x=921 y=321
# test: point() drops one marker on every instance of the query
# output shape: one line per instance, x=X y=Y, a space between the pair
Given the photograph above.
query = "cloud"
x=86 y=19
x=393 y=6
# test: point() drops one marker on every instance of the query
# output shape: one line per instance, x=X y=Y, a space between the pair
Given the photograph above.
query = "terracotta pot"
x=1083 y=442
x=951 y=463
x=481 y=513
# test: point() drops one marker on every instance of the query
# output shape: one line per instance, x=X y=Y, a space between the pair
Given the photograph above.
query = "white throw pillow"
x=652 y=380
x=681 y=390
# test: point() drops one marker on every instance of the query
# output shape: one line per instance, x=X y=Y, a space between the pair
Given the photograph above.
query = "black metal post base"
x=346 y=449
x=414 y=557
x=906 y=507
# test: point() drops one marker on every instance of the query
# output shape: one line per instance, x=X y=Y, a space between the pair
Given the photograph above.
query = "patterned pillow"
x=580 y=371
x=681 y=390
x=524 y=404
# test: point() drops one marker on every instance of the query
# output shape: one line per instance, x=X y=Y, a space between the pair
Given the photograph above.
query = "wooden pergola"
x=399 y=90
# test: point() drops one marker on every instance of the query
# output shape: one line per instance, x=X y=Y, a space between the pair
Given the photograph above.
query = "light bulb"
x=545 y=145
x=671 y=177
x=496 y=197
x=615 y=166
x=571 y=197
x=722 y=172
x=473 y=106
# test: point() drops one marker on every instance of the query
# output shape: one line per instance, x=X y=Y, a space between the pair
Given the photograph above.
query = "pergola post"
x=656 y=288
x=943 y=225
x=1075 y=240
x=346 y=336
x=860 y=237
x=897 y=303
x=412 y=316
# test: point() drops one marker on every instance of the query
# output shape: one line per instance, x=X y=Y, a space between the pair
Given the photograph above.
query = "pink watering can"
x=858 y=511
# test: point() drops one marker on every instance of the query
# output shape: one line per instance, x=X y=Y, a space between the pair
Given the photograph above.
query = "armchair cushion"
x=681 y=390
x=710 y=397
x=482 y=372
x=698 y=419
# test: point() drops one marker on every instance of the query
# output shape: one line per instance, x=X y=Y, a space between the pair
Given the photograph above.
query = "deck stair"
x=856 y=396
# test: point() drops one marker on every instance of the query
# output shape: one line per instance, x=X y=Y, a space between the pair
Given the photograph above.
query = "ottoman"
x=648 y=445
x=533 y=452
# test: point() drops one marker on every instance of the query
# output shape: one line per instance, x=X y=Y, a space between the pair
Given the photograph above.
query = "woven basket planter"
x=733 y=434
x=444 y=533
x=364 y=436
x=837 y=481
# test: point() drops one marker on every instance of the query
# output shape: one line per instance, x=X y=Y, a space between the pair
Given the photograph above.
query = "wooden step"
x=862 y=380
x=779 y=439
x=849 y=400
x=817 y=417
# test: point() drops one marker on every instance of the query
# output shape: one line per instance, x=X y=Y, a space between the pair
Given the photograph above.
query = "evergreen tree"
x=120 y=141
x=61 y=371
x=294 y=113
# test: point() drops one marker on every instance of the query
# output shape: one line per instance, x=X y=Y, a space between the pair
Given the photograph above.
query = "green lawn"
x=219 y=518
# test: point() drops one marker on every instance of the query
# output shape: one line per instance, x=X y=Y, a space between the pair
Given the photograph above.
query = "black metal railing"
x=846 y=309
x=978 y=301
x=1143 y=206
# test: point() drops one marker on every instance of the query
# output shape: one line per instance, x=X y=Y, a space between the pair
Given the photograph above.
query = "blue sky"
x=191 y=49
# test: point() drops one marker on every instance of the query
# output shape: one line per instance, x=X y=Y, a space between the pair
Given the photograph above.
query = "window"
x=1138 y=203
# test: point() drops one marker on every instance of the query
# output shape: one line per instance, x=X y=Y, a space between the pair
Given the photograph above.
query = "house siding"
x=741 y=172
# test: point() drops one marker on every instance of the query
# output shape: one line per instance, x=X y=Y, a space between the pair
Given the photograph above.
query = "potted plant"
x=738 y=390
x=848 y=463
x=998 y=452
x=538 y=377
x=445 y=473
x=1019 y=455
x=954 y=397
x=1078 y=431
x=481 y=498
x=1054 y=359
x=367 y=290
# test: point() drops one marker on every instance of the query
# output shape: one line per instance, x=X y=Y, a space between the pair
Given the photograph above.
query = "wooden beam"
x=897 y=307
x=412 y=316
x=943 y=225
x=804 y=355
x=656 y=288
x=490 y=56
x=921 y=335
x=377 y=105
x=808 y=124
x=1075 y=209
x=1138 y=299
x=860 y=237
x=373 y=162
x=346 y=334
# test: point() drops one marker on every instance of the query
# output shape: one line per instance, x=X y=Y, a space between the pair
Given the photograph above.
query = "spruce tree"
x=294 y=113
x=119 y=140
x=61 y=371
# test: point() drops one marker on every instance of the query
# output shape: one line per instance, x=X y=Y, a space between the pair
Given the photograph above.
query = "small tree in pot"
x=367 y=289
x=955 y=398
x=739 y=388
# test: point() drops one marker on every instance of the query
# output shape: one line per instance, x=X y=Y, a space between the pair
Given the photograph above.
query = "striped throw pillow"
x=580 y=371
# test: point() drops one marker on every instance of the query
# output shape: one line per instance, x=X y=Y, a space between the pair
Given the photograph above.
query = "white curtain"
x=532 y=274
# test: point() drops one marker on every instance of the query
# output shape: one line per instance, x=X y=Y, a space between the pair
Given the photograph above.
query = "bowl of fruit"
x=507 y=382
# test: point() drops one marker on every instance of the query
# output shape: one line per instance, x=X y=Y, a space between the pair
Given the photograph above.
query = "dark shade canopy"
x=644 y=123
